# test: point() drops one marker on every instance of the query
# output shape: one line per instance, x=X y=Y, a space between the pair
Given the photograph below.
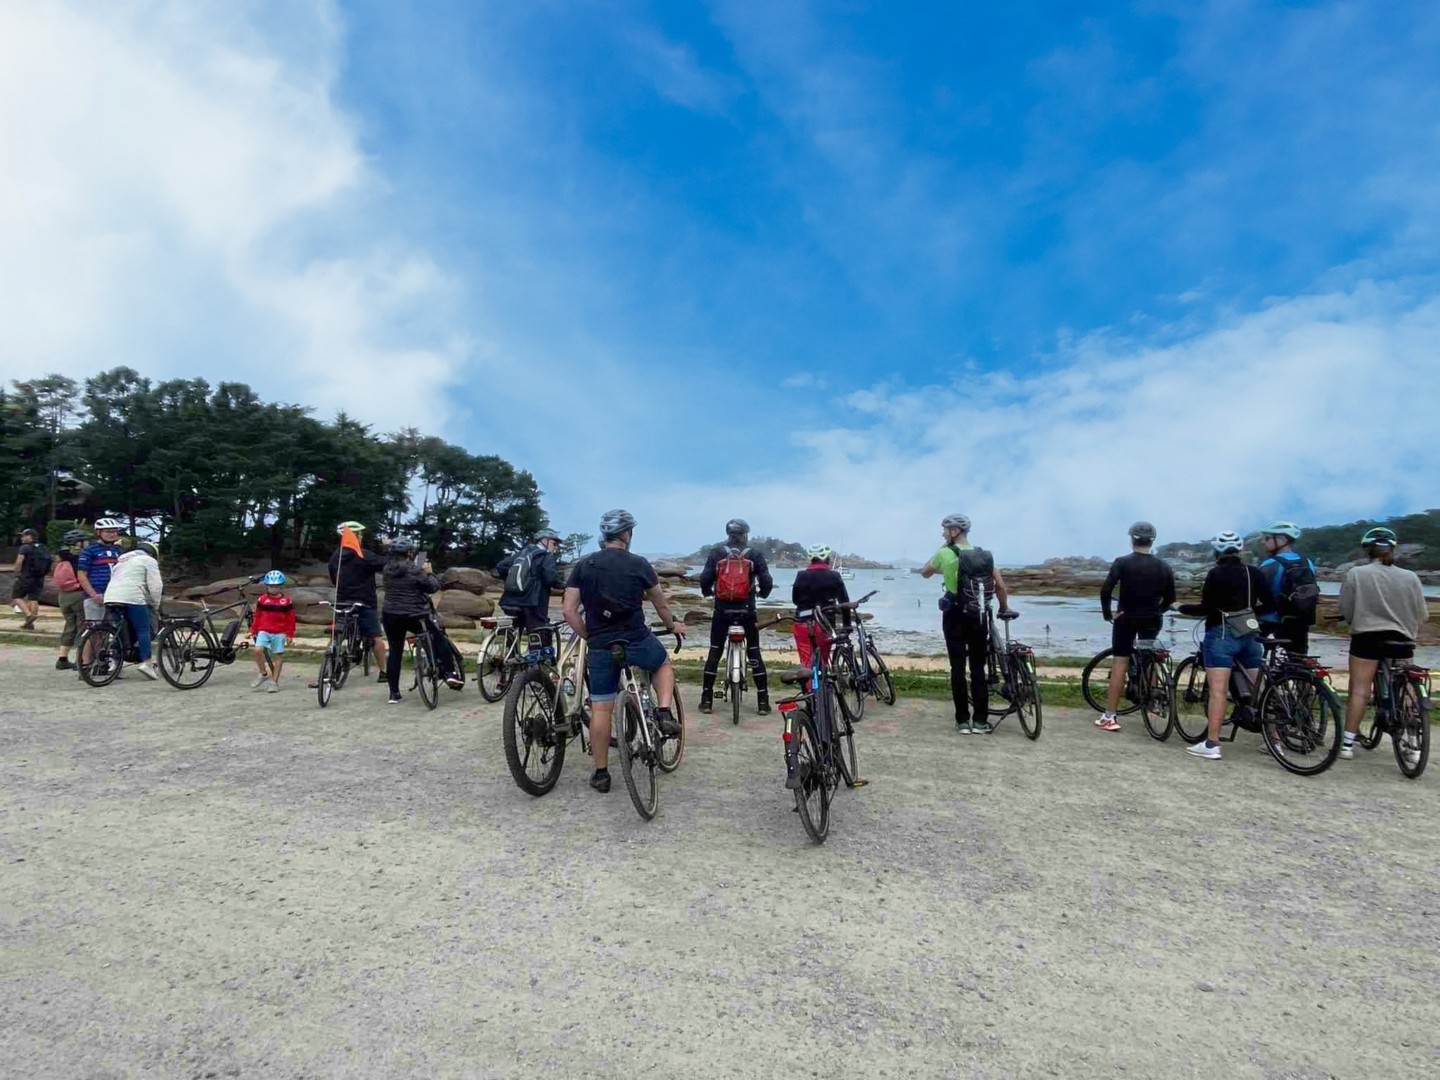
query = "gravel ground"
x=218 y=884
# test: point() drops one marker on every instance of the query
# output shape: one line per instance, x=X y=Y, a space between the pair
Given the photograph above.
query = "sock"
x=1349 y=738
x=1209 y=743
x=603 y=772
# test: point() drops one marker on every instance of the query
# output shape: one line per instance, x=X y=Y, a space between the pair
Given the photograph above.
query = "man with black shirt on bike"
x=734 y=572
x=612 y=586
x=971 y=578
x=1147 y=591
x=354 y=578
x=529 y=575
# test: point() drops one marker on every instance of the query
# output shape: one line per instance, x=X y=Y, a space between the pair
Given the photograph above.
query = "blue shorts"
x=1224 y=650
x=274 y=643
x=649 y=655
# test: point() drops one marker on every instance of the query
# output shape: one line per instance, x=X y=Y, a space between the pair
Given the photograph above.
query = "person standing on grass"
x=272 y=629
x=31 y=565
x=1147 y=591
x=71 y=595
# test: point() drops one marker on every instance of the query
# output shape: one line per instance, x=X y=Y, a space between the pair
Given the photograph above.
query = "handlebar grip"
x=679 y=640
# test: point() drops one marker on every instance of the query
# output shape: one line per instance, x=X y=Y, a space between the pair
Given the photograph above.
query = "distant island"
x=785 y=555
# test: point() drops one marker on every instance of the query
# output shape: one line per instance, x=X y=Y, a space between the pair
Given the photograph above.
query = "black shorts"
x=1382 y=645
x=1124 y=631
x=368 y=620
x=29 y=588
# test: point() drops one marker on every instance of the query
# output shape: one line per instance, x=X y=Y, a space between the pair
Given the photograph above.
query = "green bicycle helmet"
x=1282 y=528
x=1380 y=536
x=353 y=526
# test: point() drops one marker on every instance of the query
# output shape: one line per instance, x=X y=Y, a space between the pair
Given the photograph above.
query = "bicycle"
x=862 y=672
x=1400 y=708
x=736 y=665
x=109 y=645
x=824 y=739
x=498 y=657
x=1149 y=686
x=1011 y=666
x=640 y=740
x=348 y=648
x=188 y=648
x=1296 y=712
x=425 y=646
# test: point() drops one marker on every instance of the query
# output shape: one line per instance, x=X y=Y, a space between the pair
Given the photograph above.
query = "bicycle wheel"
x=850 y=691
x=494 y=676
x=107 y=655
x=1192 y=700
x=365 y=649
x=637 y=762
x=1095 y=684
x=843 y=739
x=1369 y=733
x=812 y=798
x=1411 y=733
x=340 y=664
x=672 y=751
x=1157 y=699
x=734 y=695
x=427 y=676
x=1301 y=721
x=533 y=750
x=884 y=686
x=1027 y=695
x=186 y=655
x=325 y=682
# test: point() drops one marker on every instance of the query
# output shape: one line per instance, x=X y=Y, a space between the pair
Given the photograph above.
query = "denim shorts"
x=369 y=621
x=274 y=643
x=649 y=655
x=1224 y=650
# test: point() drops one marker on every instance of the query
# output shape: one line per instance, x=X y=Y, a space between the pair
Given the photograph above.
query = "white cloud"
x=167 y=178
x=1313 y=409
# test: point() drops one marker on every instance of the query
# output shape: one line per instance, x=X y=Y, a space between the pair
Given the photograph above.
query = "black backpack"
x=1299 y=592
x=974 y=580
x=40 y=562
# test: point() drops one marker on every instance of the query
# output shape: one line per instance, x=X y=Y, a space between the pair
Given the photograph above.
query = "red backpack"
x=732 y=577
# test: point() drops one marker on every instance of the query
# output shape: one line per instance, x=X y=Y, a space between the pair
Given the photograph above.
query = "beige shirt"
x=1375 y=597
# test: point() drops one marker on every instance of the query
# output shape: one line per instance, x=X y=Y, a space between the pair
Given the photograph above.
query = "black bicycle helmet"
x=737 y=527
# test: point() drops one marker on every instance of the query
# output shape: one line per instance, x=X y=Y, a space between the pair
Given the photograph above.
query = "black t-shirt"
x=357 y=577
x=36 y=561
x=613 y=583
x=818 y=586
x=1147 y=586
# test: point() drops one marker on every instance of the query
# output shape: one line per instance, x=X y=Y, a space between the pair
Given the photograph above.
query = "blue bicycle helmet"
x=274 y=577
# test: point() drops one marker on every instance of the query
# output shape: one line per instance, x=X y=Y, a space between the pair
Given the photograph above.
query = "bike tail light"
x=786 y=736
x=1418 y=674
x=488 y=624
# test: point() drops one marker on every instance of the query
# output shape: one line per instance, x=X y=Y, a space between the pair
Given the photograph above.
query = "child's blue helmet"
x=274 y=577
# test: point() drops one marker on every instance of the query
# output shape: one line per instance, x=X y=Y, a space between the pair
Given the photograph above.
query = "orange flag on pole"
x=348 y=539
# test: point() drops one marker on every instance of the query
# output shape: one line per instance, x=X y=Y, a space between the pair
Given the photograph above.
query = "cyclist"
x=135 y=582
x=354 y=579
x=971 y=579
x=1384 y=605
x=817 y=586
x=406 y=587
x=70 y=595
x=734 y=572
x=93 y=566
x=272 y=629
x=529 y=575
x=1292 y=583
x=1233 y=595
x=612 y=586
x=1147 y=590
x=31 y=565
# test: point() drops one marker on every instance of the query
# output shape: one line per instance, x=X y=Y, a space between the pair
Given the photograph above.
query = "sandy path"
x=217 y=884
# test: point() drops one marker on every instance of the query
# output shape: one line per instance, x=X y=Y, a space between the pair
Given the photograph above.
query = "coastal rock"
x=464 y=604
x=468 y=579
x=670 y=568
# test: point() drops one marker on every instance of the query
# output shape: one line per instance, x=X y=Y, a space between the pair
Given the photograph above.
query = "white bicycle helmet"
x=1228 y=542
x=109 y=523
x=353 y=526
x=956 y=521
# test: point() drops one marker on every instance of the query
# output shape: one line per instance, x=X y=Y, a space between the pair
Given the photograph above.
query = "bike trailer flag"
x=348 y=539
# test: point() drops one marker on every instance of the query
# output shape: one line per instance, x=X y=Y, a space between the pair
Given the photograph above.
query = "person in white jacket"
x=135 y=582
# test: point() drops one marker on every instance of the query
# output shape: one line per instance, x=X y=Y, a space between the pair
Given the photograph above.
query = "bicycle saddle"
x=797 y=677
x=1272 y=642
x=1008 y=614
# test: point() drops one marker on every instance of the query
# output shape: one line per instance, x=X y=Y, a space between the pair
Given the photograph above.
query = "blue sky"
x=840 y=268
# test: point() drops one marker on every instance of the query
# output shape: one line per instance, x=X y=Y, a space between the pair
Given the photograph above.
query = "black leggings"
x=396 y=627
x=720 y=636
x=967 y=636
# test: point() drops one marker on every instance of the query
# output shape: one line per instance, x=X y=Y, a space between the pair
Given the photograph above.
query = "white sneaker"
x=150 y=671
x=1279 y=748
x=272 y=688
x=1199 y=749
x=1347 y=750
x=259 y=681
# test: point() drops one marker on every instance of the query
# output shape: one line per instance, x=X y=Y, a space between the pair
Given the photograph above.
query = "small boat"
x=839 y=568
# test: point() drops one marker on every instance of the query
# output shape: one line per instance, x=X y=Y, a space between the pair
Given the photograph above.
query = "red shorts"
x=802 y=632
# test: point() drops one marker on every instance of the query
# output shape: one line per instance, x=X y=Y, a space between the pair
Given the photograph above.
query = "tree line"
x=213 y=471
x=1334 y=545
